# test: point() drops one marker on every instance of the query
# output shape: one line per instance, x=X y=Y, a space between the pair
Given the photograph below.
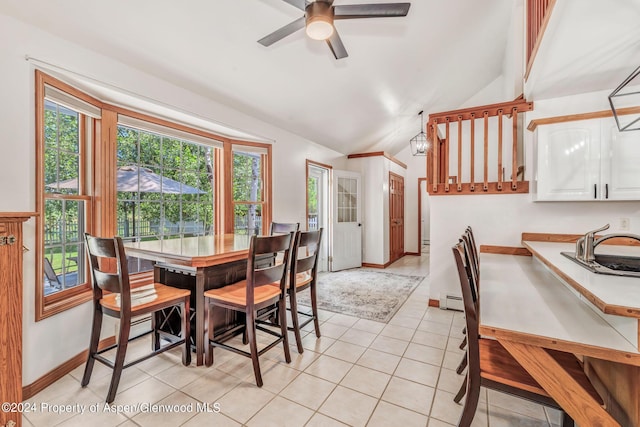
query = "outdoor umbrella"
x=134 y=179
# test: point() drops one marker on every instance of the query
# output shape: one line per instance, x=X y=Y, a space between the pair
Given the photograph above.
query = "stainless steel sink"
x=616 y=265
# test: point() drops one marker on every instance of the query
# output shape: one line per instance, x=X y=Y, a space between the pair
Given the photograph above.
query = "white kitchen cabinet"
x=587 y=160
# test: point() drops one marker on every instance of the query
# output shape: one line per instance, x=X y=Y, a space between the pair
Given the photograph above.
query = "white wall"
x=416 y=168
x=49 y=343
x=500 y=219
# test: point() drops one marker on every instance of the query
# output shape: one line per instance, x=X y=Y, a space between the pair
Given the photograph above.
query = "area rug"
x=367 y=294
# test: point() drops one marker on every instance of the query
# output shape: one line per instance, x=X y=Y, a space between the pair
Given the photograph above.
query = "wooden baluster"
x=485 y=185
x=459 y=153
x=446 y=157
x=514 y=154
x=436 y=159
x=472 y=180
x=499 y=150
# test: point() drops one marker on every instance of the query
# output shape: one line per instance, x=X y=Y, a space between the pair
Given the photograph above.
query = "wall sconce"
x=625 y=103
x=419 y=144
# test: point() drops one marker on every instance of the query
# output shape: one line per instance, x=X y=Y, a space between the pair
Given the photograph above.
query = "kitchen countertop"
x=613 y=295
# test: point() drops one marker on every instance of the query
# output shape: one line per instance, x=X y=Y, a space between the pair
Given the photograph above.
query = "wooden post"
x=459 y=181
x=436 y=160
x=446 y=157
x=485 y=185
x=514 y=154
x=472 y=179
x=499 y=150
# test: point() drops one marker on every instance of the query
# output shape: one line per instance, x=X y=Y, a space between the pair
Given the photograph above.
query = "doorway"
x=396 y=217
x=318 y=176
x=424 y=225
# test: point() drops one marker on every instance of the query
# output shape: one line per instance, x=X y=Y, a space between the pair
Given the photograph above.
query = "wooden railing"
x=451 y=157
x=538 y=13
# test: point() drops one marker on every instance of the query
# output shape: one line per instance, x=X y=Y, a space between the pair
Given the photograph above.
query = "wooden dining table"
x=526 y=306
x=198 y=264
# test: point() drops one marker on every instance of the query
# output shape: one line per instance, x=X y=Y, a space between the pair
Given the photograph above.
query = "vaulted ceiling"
x=434 y=59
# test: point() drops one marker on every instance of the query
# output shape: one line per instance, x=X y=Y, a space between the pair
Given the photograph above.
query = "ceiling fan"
x=319 y=16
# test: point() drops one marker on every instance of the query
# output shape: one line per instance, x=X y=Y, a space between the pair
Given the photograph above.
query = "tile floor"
x=360 y=373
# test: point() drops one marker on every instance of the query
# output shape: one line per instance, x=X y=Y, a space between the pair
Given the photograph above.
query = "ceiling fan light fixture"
x=319 y=29
x=319 y=20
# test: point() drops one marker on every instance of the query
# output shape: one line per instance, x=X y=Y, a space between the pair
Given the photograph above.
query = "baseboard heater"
x=452 y=302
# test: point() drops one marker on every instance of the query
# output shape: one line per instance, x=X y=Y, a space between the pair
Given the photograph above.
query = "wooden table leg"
x=560 y=385
x=201 y=317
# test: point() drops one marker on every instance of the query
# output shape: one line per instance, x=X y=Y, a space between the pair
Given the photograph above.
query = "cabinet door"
x=569 y=161
x=621 y=163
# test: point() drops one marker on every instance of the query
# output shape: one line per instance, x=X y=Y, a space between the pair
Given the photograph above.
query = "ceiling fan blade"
x=283 y=32
x=300 y=4
x=380 y=10
x=336 y=45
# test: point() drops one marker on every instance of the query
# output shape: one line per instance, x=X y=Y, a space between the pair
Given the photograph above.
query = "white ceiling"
x=435 y=59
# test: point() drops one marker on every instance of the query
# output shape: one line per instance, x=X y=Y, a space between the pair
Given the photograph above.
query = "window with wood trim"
x=249 y=194
x=66 y=125
x=165 y=183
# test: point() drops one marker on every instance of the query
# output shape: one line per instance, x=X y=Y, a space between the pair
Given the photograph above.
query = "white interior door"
x=347 y=227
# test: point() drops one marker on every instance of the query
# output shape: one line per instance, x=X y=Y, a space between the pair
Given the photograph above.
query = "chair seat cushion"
x=157 y=295
x=497 y=364
x=236 y=293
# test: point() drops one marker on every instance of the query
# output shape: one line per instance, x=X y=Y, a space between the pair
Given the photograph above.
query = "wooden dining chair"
x=492 y=366
x=283 y=227
x=110 y=273
x=473 y=268
x=259 y=297
x=303 y=274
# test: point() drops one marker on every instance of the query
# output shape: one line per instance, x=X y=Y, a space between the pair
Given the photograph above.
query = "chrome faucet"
x=585 y=245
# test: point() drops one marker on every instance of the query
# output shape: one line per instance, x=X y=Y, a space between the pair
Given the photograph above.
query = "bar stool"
x=303 y=275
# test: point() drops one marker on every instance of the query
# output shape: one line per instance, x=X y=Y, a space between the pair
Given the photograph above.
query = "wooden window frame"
x=229 y=203
x=49 y=305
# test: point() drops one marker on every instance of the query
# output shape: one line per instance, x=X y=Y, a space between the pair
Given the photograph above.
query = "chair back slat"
x=471 y=314
x=283 y=227
x=260 y=245
x=108 y=264
x=310 y=242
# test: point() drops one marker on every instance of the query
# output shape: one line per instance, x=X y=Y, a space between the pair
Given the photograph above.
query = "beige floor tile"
x=318 y=345
x=437 y=423
x=435 y=327
x=146 y=392
x=319 y=420
x=329 y=368
x=308 y=390
x=129 y=378
x=244 y=401
x=452 y=360
x=358 y=337
x=424 y=353
x=211 y=386
x=398 y=332
x=366 y=381
x=368 y=326
x=241 y=367
x=430 y=339
x=450 y=381
x=444 y=408
x=332 y=330
x=379 y=360
x=500 y=417
x=419 y=372
x=342 y=320
x=389 y=345
x=410 y=395
x=95 y=419
x=345 y=351
x=58 y=409
x=349 y=406
x=405 y=321
x=515 y=404
x=211 y=419
x=276 y=377
x=128 y=423
x=99 y=371
x=281 y=412
x=299 y=361
x=179 y=376
x=175 y=409
x=441 y=316
x=157 y=364
x=324 y=315
x=386 y=415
